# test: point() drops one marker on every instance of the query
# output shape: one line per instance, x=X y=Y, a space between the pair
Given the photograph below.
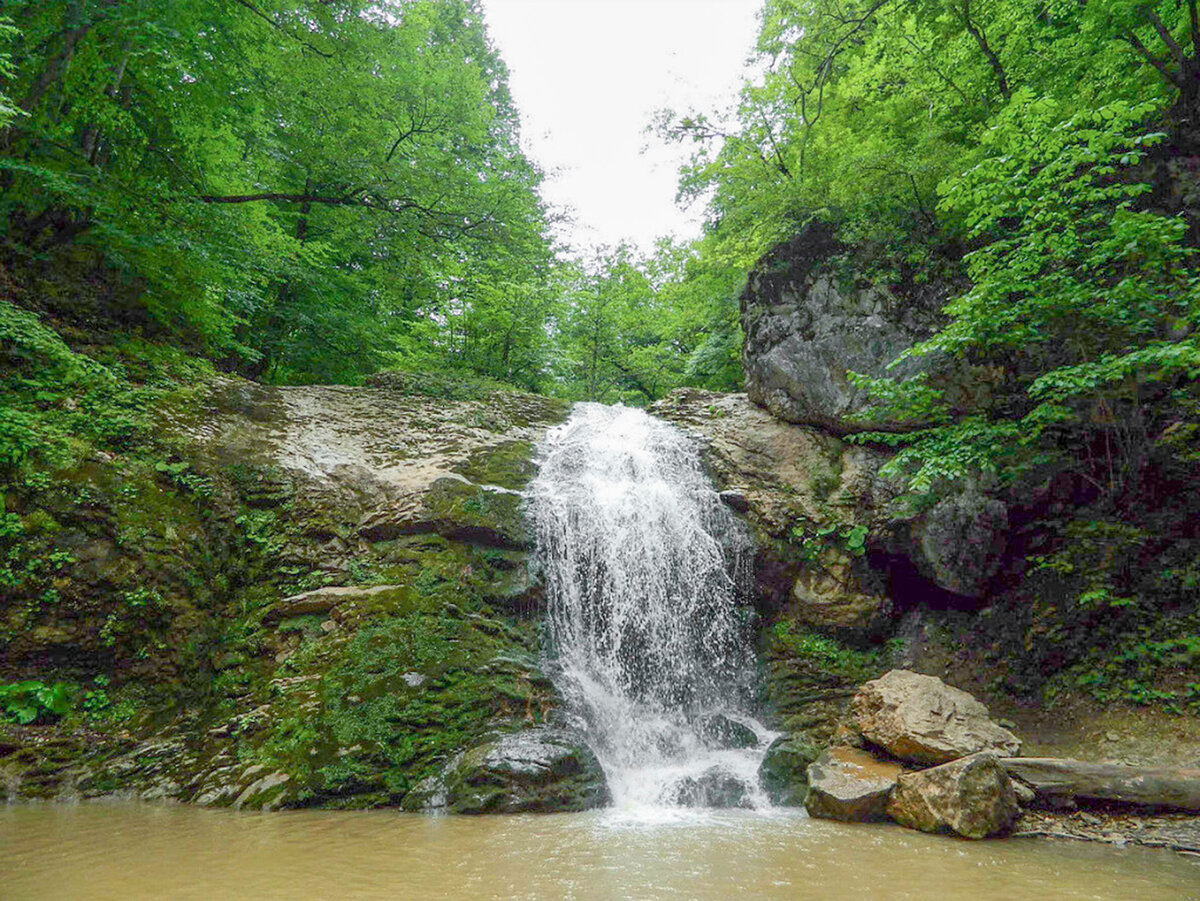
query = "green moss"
x=508 y=465
x=468 y=512
x=395 y=700
x=809 y=678
x=827 y=655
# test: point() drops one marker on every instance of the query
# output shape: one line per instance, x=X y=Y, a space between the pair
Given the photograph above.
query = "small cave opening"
x=910 y=590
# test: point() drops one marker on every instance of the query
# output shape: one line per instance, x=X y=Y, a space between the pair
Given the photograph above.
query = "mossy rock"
x=533 y=771
x=783 y=772
x=460 y=511
x=509 y=464
x=373 y=713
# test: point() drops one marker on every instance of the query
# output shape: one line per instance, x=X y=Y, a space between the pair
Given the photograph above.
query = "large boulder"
x=715 y=787
x=811 y=314
x=540 y=770
x=851 y=785
x=922 y=719
x=958 y=544
x=783 y=773
x=972 y=797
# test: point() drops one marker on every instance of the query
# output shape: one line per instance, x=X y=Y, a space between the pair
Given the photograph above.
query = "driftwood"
x=1060 y=779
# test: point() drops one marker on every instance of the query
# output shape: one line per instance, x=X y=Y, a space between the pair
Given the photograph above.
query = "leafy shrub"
x=852 y=538
x=1088 y=302
x=827 y=655
x=33 y=700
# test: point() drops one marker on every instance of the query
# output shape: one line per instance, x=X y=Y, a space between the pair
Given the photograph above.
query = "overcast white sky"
x=587 y=76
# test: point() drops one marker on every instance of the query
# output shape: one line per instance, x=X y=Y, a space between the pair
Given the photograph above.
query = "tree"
x=1091 y=304
x=859 y=110
x=299 y=184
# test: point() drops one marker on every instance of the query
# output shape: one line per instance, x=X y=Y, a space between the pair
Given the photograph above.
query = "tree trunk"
x=1060 y=779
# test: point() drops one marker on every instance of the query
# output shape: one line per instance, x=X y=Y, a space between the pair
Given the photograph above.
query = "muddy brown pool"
x=133 y=851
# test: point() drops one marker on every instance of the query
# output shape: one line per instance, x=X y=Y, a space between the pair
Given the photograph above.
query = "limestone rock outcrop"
x=971 y=797
x=921 y=719
x=328 y=589
x=851 y=785
x=805 y=493
x=810 y=314
x=788 y=481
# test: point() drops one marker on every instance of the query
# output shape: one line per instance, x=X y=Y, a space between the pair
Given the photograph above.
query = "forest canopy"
x=305 y=190
x=312 y=190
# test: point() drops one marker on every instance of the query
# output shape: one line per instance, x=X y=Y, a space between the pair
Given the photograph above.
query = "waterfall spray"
x=645 y=568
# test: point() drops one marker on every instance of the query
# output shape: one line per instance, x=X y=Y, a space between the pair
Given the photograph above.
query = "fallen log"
x=1059 y=779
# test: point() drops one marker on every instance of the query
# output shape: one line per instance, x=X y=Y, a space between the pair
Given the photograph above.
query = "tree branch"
x=824 y=68
x=921 y=208
x=1160 y=64
x=1194 y=19
x=447 y=220
x=929 y=61
x=1166 y=37
x=278 y=27
x=282 y=197
x=779 y=161
x=981 y=39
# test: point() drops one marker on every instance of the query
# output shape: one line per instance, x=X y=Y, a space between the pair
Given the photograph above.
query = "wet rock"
x=538 y=770
x=922 y=719
x=719 y=731
x=518 y=587
x=783 y=773
x=1117 y=825
x=736 y=501
x=851 y=785
x=972 y=797
x=715 y=787
x=267 y=793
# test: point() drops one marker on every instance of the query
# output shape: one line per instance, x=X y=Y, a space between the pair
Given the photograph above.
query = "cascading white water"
x=643 y=565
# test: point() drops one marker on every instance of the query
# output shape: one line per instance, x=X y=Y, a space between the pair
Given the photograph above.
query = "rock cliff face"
x=810 y=313
x=335 y=600
x=826 y=522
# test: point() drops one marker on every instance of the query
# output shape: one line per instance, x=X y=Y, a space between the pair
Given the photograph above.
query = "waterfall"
x=645 y=571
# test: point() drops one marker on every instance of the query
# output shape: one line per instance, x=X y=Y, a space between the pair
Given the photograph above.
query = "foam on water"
x=646 y=571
